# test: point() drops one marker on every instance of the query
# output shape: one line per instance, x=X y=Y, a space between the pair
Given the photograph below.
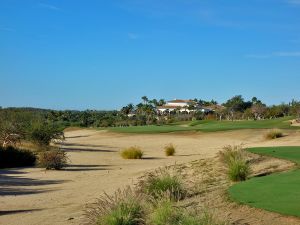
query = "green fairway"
x=209 y=126
x=291 y=153
x=278 y=192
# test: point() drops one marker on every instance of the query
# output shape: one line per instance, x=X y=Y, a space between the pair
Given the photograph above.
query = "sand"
x=33 y=196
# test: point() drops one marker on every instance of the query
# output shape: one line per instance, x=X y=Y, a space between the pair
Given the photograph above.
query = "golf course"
x=278 y=192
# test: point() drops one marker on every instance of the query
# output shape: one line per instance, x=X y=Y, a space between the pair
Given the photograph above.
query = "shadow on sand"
x=83 y=145
x=78 y=136
x=86 y=149
x=9 y=212
x=86 y=167
x=11 y=183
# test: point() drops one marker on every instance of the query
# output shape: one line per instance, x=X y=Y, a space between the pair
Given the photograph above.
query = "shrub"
x=13 y=157
x=133 y=152
x=273 y=134
x=53 y=159
x=122 y=208
x=43 y=134
x=238 y=170
x=169 y=150
x=161 y=183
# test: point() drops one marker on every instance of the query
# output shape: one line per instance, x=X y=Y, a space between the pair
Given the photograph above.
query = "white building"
x=177 y=104
x=183 y=106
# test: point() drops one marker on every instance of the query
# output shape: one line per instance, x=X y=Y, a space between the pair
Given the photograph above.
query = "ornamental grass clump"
x=238 y=170
x=167 y=212
x=122 y=208
x=169 y=150
x=234 y=157
x=160 y=183
x=133 y=152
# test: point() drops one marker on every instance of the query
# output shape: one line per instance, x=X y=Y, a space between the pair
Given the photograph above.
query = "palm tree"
x=145 y=99
x=161 y=102
x=130 y=107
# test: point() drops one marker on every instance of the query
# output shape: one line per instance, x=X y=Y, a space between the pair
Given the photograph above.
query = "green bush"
x=238 y=170
x=53 y=159
x=161 y=183
x=122 y=208
x=169 y=150
x=13 y=157
x=273 y=134
x=133 y=152
x=43 y=134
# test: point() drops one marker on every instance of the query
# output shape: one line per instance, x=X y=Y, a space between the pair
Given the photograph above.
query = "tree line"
x=31 y=121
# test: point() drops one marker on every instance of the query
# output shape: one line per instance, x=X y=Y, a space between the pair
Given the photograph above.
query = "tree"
x=127 y=109
x=213 y=102
x=11 y=133
x=258 y=110
x=145 y=99
x=236 y=104
x=161 y=102
x=154 y=102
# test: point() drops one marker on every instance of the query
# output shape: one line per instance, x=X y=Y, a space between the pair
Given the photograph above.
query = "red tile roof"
x=168 y=107
x=180 y=101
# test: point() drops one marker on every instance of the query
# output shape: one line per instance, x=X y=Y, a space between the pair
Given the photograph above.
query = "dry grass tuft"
x=170 y=150
x=273 y=134
x=133 y=152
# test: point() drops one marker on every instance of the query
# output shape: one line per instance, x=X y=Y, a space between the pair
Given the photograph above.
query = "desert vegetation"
x=234 y=157
x=162 y=183
x=18 y=127
x=124 y=207
x=133 y=152
x=52 y=159
x=155 y=200
x=169 y=149
x=273 y=134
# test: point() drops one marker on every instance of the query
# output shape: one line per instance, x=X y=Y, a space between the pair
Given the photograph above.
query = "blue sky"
x=104 y=54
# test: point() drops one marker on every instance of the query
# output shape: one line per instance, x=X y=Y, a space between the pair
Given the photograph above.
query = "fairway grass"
x=208 y=126
x=291 y=153
x=278 y=192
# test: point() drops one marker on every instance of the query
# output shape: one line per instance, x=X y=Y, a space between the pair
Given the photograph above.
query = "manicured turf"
x=208 y=126
x=278 y=192
x=291 y=153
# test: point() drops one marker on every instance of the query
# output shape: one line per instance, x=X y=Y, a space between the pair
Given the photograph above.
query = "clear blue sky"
x=97 y=54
